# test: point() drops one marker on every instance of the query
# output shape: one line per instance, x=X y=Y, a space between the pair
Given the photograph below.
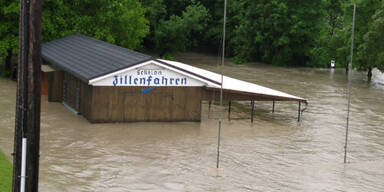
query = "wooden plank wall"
x=71 y=87
x=78 y=95
x=44 y=83
x=129 y=104
x=55 y=86
x=85 y=100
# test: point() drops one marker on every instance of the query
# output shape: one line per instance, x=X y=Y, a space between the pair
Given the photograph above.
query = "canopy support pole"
x=229 y=110
x=299 y=112
x=273 y=106
x=253 y=109
x=209 y=107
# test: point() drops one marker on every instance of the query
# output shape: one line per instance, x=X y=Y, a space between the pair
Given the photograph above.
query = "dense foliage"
x=120 y=22
x=335 y=43
x=279 y=32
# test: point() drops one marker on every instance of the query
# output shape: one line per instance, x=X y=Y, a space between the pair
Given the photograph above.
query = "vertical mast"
x=349 y=83
x=221 y=88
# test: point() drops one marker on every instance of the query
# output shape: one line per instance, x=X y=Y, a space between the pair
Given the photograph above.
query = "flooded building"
x=108 y=83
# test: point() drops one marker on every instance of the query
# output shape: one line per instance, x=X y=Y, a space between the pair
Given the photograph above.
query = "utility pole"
x=27 y=125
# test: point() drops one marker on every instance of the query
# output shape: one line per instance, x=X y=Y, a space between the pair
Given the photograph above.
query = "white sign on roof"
x=149 y=75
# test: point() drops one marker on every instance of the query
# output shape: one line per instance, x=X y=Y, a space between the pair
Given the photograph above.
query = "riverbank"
x=5 y=173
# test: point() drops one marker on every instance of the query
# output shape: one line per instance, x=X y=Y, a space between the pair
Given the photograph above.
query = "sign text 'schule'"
x=148 y=78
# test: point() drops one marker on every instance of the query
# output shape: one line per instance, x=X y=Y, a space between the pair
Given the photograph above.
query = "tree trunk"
x=369 y=74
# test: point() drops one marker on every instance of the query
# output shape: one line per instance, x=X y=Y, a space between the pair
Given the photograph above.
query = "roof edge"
x=119 y=69
x=65 y=69
x=281 y=98
x=186 y=71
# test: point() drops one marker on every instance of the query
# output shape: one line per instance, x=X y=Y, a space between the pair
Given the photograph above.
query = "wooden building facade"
x=101 y=104
x=107 y=83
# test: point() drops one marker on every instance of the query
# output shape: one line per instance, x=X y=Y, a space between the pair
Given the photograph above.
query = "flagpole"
x=349 y=84
x=221 y=89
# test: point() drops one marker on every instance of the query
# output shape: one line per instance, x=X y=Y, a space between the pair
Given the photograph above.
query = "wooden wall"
x=44 y=83
x=129 y=104
x=71 y=91
x=55 y=86
x=77 y=94
x=126 y=104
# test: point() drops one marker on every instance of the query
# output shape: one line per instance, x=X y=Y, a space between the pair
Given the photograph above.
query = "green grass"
x=5 y=174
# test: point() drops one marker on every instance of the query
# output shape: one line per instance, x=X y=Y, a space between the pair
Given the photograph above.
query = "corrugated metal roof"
x=87 y=58
x=231 y=84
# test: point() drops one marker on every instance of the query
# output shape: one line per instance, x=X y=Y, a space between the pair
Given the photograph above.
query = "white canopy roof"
x=231 y=84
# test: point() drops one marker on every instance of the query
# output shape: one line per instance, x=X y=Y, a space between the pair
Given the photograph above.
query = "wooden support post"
x=27 y=121
x=273 y=106
x=253 y=109
x=209 y=105
x=229 y=110
x=299 y=112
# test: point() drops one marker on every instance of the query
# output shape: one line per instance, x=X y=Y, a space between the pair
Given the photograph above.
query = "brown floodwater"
x=275 y=153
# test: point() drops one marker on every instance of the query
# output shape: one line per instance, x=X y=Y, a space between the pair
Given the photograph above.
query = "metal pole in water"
x=221 y=88
x=349 y=83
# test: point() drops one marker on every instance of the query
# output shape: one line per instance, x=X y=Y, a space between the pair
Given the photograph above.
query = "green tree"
x=365 y=9
x=326 y=46
x=276 y=31
x=181 y=32
x=121 y=22
x=334 y=14
x=212 y=38
x=155 y=11
x=9 y=15
x=372 y=49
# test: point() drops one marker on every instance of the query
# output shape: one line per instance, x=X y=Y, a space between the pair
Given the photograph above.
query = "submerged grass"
x=5 y=174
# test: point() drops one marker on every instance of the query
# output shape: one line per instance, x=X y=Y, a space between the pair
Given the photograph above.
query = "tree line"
x=279 y=32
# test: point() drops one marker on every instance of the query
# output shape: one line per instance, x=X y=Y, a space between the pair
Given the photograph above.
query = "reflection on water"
x=276 y=153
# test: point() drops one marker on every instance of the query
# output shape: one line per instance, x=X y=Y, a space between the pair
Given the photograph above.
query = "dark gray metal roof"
x=87 y=58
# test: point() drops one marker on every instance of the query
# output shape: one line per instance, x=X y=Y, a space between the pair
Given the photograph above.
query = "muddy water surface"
x=275 y=153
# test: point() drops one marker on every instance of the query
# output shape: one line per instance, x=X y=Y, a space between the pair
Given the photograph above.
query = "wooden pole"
x=253 y=109
x=273 y=106
x=229 y=110
x=27 y=123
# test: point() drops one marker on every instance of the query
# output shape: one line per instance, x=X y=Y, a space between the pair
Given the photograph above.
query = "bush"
x=6 y=74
